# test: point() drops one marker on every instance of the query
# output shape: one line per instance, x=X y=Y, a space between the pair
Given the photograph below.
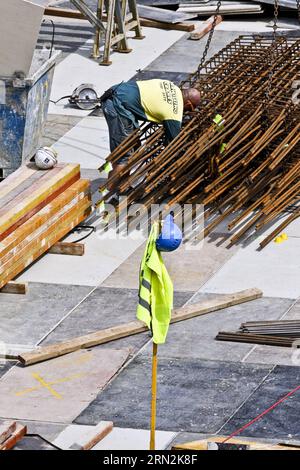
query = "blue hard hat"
x=170 y=237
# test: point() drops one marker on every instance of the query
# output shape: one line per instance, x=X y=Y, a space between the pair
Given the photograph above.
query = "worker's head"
x=191 y=98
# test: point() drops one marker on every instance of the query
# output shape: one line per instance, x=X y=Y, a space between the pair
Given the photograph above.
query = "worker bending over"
x=155 y=100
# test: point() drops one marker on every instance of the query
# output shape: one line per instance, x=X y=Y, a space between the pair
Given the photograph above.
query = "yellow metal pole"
x=154 y=395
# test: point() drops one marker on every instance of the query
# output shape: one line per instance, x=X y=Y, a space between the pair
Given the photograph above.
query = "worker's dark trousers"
x=119 y=126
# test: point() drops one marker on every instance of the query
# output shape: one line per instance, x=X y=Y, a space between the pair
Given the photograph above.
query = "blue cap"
x=171 y=236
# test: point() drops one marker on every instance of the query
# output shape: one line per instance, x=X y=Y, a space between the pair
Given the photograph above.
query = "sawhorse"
x=121 y=16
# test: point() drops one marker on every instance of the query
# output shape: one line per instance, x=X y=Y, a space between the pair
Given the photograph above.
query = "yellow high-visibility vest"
x=156 y=290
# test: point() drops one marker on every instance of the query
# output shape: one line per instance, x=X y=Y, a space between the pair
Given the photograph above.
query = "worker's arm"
x=172 y=129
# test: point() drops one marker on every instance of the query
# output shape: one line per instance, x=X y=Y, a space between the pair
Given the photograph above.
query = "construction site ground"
x=204 y=386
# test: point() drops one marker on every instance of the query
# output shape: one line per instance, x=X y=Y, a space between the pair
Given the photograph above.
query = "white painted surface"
x=118 y=439
x=101 y=258
x=245 y=26
x=275 y=270
x=79 y=68
x=87 y=143
x=20 y=22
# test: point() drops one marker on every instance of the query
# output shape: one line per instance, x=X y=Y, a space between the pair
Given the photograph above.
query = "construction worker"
x=150 y=100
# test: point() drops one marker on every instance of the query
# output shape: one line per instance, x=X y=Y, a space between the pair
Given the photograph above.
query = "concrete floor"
x=204 y=386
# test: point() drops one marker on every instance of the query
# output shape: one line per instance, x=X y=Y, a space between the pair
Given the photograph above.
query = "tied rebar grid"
x=238 y=153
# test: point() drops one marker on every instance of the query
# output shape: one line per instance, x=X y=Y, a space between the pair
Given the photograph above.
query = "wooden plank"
x=64 y=13
x=45 y=175
x=55 y=237
x=64 y=248
x=93 y=436
x=135 y=327
x=254 y=445
x=16 y=436
x=38 y=235
x=21 y=188
x=43 y=242
x=40 y=206
x=16 y=179
x=6 y=429
x=78 y=190
x=67 y=13
x=15 y=288
x=52 y=181
x=205 y=28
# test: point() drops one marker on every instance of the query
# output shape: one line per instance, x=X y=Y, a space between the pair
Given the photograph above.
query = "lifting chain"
x=272 y=52
x=210 y=36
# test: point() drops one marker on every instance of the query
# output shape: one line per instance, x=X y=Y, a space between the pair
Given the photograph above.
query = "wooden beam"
x=205 y=28
x=67 y=13
x=64 y=13
x=15 y=288
x=64 y=248
x=29 y=202
x=135 y=327
x=184 y=26
x=16 y=436
x=93 y=436
x=6 y=430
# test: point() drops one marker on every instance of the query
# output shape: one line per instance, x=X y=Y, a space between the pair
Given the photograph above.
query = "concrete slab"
x=59 y=389
x=189 y=274
x=57 y=126
x=245 y=26
x=293 y=230
x=80 y=68
x=188 y=53
x=118 y=439
x=175 y=77
x=195 y=338
x=275 y=270
x=193 y=395
x=25 y=319
x=87 y=143
x=277 y=355
x=283 y=421
x=102 y=256
x=5 y=366
x=104 y=308
x=48 y=431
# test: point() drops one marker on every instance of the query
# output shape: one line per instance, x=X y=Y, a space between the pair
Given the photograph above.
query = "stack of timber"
x=11 y=433
x=284 y=333
x=237 y=154
x=37 y=209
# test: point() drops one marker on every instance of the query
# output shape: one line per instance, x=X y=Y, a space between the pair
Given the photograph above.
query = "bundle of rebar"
x=289 y=328
x=237 y=154
x=284 y=333
x=265 y=340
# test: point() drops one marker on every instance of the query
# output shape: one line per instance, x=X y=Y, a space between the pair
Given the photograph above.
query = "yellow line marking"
x=46 y=385
x=65 y=379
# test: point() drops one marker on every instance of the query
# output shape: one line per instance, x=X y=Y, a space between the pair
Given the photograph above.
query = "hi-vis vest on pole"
x=156 y=290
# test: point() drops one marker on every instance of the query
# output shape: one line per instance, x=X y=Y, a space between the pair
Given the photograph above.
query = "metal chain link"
x=298 y=8
x=273 y=51
x=210 y=36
